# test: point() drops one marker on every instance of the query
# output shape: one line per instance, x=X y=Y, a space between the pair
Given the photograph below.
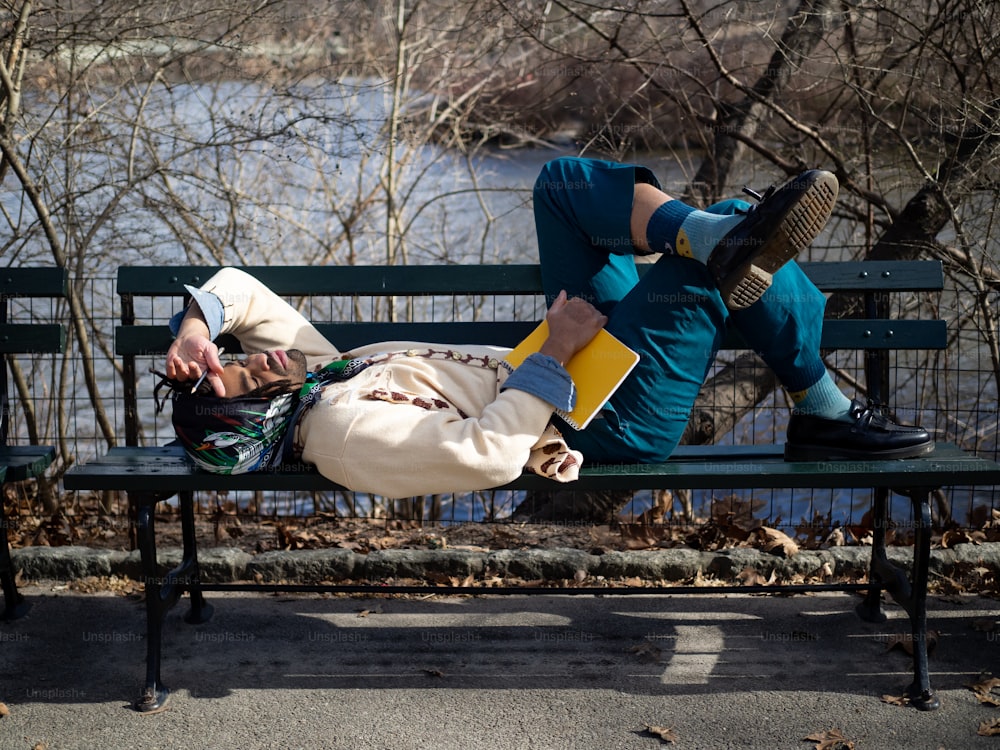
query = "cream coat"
x=425 y=419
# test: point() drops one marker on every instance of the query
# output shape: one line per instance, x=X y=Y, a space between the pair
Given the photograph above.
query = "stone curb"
x=228 y=565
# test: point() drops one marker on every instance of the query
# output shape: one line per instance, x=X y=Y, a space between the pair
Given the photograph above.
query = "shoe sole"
x=828 y=453
x=798 y=228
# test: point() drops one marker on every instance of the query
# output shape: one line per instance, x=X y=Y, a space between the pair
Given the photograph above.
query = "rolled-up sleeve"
x=234 y=302
x=543 y=377
x=211 y=309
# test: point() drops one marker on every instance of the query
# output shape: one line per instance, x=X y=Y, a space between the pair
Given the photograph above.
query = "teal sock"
x=823 y=399
x=677 y=229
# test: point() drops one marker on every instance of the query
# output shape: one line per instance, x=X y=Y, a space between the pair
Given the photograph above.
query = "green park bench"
x=22 y=462
x=150 y=474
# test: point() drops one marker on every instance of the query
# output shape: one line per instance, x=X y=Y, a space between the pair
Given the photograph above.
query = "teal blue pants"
x=673 y=316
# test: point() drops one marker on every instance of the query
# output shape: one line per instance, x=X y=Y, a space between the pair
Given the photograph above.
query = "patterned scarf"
x=335 y=372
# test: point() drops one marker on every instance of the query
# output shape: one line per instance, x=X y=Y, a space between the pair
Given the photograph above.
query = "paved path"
x=510 y=672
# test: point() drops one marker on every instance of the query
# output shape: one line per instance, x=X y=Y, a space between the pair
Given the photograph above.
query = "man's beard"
x=297 y=366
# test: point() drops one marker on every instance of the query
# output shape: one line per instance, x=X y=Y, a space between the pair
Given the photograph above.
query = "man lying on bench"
x=400 y=419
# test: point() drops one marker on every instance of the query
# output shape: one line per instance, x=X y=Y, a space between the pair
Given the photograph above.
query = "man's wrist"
x=194 y=324
x=559 y=351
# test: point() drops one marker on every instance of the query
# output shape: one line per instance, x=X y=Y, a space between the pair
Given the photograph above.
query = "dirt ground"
x=732 y=523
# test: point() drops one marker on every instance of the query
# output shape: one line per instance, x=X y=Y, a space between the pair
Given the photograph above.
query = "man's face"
x=246 y=375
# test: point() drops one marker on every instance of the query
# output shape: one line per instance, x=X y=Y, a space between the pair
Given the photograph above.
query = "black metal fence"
x=953 y=392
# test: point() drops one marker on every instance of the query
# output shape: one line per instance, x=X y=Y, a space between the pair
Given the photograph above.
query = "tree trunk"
x=737 y=122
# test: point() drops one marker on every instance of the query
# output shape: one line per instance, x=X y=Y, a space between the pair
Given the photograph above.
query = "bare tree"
x=258 y=132
x=898 y=99
x=339 y=132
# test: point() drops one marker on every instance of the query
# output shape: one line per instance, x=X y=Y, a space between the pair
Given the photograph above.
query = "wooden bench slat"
x=143 y=340
x=512 y=279
x=837 y=334
x=165 y=468
x=870 y=275
x=25 y=338
x=34 y=282
x=497 y=279
x=26 y=461
x=345 y=280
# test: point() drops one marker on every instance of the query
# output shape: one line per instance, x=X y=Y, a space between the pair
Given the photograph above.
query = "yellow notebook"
x=597 y=371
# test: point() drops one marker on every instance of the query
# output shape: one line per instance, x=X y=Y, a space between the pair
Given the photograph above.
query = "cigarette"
x=199 y=381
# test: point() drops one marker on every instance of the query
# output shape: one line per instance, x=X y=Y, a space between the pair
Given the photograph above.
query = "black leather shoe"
x=869 y=434
x=784 y=221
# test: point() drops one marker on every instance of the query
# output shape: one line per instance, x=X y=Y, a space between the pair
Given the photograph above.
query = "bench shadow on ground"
x=73 y=648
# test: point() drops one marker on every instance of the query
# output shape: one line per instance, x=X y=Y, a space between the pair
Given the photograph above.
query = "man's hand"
x=572 y=324
x=192 y=353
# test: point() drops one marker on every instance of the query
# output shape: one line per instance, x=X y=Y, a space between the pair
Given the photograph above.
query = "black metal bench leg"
x=155 y=695
x=201 y=611
x=870 y=609
x=909 y=592
x=920 y=693
x=14 y=604
x=164 y=590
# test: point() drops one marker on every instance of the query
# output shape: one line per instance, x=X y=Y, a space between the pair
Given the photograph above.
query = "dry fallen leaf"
x=601 y=537
x=951 y=537
x=985 y=685
x=737 y=511
x=750 y=577
x=434 y=673
x=832 y=739
x=984 y=691
x=666 y=734
x=647 y=652
x=641 y=535
x=989 y=728
x=775 y=542
x=896 y=700
x=825 y=571
x=835 y=538
x=904 y=641
x=4 y=711
x=662 y=503
x=987 y=699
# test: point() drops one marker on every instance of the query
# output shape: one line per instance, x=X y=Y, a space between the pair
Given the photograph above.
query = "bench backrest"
x=27 y=337
x=875 y=333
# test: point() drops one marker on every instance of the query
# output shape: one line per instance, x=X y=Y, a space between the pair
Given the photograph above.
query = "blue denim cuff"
x=543 y=376
x=211 y=308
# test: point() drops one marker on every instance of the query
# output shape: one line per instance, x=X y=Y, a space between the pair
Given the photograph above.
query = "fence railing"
x=954 y=393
